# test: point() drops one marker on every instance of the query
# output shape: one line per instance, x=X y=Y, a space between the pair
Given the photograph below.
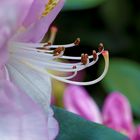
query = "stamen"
x=71 y=76
x=59 y=51
x=94 y=55
x=77 y=42
x=84 y=59
x=44 y=71
x=53 y=32
x=106 y=58
x=42 y=48
x=21 y=49
x=101 y=47
x=47 y=45
x=33 y=53
x=29 y=49
x=41 y=58
x=59 y=66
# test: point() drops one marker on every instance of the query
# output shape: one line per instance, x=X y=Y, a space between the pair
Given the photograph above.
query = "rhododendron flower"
x=77 y=100
x=28 y=61
x=25 y=63
x=116 y=112
x=22 y=22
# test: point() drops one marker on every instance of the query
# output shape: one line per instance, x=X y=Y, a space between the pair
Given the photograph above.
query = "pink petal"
x=20 y=117
x=77 y=100
x=4 y=56
x=117 y=113
x=34 y=12
x=52 y=126
x=4 y=74
x=36 y=31
x=137 y=134
x=12 y=13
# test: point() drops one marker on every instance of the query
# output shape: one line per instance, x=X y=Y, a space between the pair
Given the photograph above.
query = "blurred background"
x=115 y=23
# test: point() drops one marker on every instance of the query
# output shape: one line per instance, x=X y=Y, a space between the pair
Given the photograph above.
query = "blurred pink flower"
x=77 y=100
x=116 y=112
x=137 y=133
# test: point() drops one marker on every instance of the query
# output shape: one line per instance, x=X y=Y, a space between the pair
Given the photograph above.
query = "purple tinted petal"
x=20 y=117
x=1 y=73
x=34 y=12
x=4 y=74
x=77 y=100
x=3 y=56
x=5 y=33
x=12 y=13
x=117 y=113
x=36 y=31
x=53 y=126
x=137 y=134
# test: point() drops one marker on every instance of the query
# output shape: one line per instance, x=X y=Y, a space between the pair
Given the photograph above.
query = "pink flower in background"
x=116 y=112
x=137 y=133
x=77 y=100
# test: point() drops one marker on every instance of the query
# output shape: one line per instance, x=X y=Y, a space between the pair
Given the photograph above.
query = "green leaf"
x=81 y=4
x=112 y=13
x=73 y=127
x=124 y=76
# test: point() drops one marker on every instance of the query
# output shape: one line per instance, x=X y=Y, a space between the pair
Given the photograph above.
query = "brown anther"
x=56 y=54
x=47 y=44
x=77 y=41
x=58 y=51
x=84 y=59
x=74 y=67
x=94 y=55
x=101 y=47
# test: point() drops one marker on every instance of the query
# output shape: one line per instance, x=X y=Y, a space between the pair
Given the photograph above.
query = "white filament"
x=41 y=60
x=43 y=71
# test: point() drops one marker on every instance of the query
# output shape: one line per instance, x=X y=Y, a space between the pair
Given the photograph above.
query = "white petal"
x=31 y=82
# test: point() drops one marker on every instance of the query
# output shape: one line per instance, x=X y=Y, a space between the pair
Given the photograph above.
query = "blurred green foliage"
x=124 y=76
x=116 y=23
x=81 y=4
